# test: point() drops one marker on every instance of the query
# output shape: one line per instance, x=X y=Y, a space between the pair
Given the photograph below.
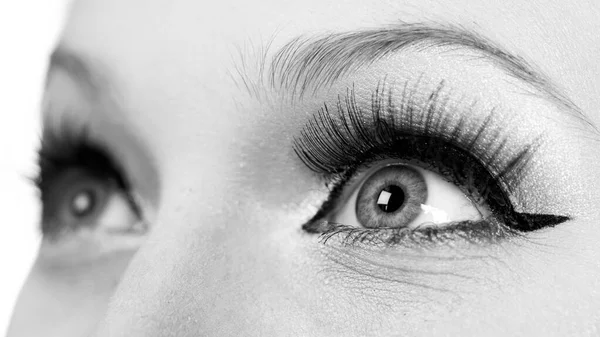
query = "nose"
x=177 y=284
x=206 y=273
x=222 y=257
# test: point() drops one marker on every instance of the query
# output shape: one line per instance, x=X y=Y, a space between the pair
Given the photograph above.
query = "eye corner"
x=530 y=222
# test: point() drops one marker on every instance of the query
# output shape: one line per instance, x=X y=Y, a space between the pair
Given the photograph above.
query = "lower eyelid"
x=452 y=237
x=412 y=276
x=87 y=247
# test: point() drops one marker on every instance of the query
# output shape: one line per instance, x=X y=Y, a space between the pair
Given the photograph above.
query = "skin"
x=225 y=196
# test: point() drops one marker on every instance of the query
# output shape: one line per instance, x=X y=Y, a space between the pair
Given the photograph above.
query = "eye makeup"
x=76 y=180
x=476 y=154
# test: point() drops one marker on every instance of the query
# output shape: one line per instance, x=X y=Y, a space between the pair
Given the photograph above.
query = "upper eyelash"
x=71 y=146
x=326 y=145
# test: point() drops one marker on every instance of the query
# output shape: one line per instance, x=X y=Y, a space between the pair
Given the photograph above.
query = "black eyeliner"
x=335 y=142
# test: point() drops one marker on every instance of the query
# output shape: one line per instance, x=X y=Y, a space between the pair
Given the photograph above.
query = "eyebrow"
x=89 y=75
x=306 y=64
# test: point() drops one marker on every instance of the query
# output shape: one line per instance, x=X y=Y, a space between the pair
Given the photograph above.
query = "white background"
x=28 y=31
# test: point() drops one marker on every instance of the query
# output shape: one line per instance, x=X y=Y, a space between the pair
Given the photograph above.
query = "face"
x=318 y=168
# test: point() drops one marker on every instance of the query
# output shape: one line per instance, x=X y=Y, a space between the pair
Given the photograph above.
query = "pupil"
x=390 y=199
x=83 y=203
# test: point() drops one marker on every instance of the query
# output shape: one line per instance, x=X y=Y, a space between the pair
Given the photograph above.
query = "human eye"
x=89 y=208
x=403 y=170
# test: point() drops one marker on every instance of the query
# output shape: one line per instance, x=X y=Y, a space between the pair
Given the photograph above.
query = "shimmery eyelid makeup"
x=407 y=125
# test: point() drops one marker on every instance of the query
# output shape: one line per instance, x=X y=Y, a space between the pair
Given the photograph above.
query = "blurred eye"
x=403 y=196
x=87 y=202
x=79 y=199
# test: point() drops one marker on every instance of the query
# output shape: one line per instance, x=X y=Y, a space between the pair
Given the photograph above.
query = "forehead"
x=183 y=53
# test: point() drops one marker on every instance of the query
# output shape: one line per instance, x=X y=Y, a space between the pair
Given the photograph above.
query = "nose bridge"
x=196 y=272
x=209 y=266
x=169 y=286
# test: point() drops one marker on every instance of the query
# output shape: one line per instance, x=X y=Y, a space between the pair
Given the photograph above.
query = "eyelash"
x=484 y=231
x=339 y=148
x=70 y=147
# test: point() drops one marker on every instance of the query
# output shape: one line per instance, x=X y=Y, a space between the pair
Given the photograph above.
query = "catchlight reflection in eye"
x=406 y=196
x=83 y=203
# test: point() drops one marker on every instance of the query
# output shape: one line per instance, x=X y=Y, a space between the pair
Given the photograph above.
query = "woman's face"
x=320 y=168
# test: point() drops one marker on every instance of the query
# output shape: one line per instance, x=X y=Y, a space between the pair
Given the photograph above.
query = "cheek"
x=67 y=300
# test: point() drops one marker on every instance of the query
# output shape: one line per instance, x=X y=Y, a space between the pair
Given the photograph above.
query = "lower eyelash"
x=486 y=231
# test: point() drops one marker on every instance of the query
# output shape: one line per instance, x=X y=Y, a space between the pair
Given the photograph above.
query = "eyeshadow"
x=411 y=125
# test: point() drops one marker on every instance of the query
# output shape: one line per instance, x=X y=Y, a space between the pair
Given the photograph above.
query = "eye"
x=79 y=199
x=456 y=181
x=85 y=195
x=403 y=196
